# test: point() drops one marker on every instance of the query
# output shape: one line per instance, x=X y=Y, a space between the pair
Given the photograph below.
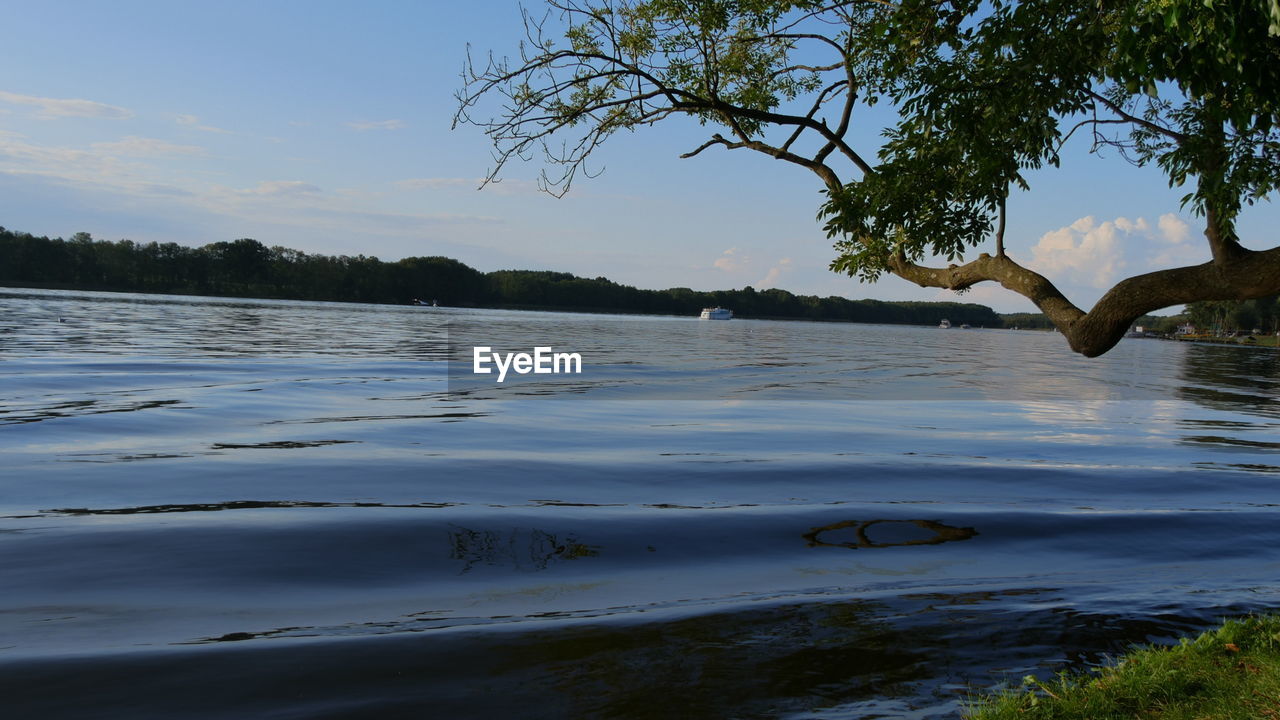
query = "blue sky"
x=325 y=126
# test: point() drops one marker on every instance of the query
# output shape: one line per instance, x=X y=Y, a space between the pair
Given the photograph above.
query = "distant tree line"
x=1216 y=317
x=1244 y=316
x=247 y=268
x=1027 y=321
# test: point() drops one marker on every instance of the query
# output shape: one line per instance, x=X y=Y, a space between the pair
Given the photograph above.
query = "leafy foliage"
x=1219 y=316
x=242 y=268
x=733 y=64
x=984 y=92
x=1222 y=60
x=1190 y=86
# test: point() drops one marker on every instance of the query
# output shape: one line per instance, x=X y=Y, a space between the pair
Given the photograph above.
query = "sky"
x=326 y=127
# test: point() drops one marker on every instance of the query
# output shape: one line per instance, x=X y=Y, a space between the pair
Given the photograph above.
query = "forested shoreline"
x=247 y=268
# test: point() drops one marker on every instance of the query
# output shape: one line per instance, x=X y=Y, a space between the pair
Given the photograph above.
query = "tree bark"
x=1239 y=274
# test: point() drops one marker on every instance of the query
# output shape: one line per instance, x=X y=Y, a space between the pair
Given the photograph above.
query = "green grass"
x=1263 y=340
x=1231 y=673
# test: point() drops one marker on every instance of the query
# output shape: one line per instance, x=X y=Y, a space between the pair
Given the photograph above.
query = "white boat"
x=944 y=324
x=424 y=303
x=716 y=313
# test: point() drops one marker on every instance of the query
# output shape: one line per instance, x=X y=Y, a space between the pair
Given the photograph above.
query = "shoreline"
x=513 y=307
x=1222 y=673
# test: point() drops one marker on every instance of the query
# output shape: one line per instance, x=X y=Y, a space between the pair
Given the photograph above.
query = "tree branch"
x=1000 y=227
x=1159 y=129
x=817 y=105
x=1250 y=274
x=828 y=176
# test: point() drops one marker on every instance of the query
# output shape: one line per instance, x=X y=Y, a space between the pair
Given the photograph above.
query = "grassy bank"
x=1255 y=340
x=1231 y=673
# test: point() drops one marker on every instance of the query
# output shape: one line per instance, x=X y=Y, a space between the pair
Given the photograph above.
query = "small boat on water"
x=424 y=303
x=716 y=313
x=944 y=324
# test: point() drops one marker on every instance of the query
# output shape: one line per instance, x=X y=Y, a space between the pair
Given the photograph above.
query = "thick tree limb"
x=1248 y=274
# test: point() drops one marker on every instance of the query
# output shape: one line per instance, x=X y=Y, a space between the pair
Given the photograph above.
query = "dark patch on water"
x=518 y=548
x=673 y=506
x=1219 y=441
x=77 y=408
x=280 y=444
x=115 y=458
x=443 y=417
x=231 y=505
x=1239 y=467
x=854 y=534
x=566 y=503
x=915 y=656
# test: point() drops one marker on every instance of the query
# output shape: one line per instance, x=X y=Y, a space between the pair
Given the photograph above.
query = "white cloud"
x=1093 y=254
x=1179 y=248
x=58 y=107
x=771 y=278
x=991 y=294
x=282 y=187
x=435 y=183
x=194 y=122
x=1173 y=229
x=145 y=147
x=1085 y=252
x=737 y=262
x=732 y=260
x=1132 y=226
x=300 y=204
x=1083 y=224
x=94 y=169
x=114 y=171
x=377 y=125
x=73 y=165
x=500 y=187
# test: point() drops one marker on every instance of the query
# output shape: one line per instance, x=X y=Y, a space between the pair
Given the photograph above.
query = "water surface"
x=225 y=508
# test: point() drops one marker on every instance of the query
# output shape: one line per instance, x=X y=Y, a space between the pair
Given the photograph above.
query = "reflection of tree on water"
x=755 y=662
x=913 y=656
x=1241 y=381
x=853 y=534
x=1232 y=379
x=523 y=549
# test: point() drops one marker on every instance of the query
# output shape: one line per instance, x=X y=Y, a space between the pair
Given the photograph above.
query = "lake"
x=219 y=508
